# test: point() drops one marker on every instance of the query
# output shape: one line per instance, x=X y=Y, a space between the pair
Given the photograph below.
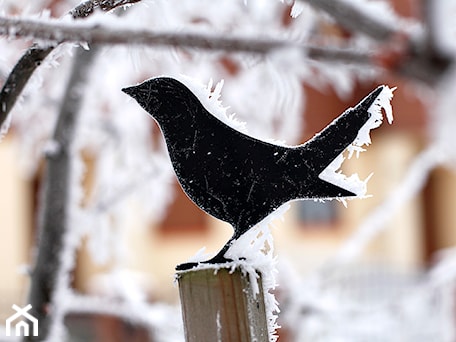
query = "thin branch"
x=354 y=18
x=417 y=65
x=54 y=214
x=431 y=46
x=59 y=32
x=33 y=57
x=19 y=77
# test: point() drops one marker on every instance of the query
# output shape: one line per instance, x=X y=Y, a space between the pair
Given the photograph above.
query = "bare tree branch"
x=54 y=213
x=416 y=62
x=354 y=19
x=33 y=57
x=19 y=77
x=58 y=32
x=417 y=65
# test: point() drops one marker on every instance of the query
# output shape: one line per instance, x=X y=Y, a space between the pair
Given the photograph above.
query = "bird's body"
x=232 y=176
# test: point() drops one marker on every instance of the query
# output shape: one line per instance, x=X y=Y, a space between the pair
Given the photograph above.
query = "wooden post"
x=219 y=306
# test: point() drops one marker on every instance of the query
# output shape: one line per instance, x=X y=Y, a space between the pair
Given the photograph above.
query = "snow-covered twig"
x=428 y=12
x=433 y=47
x=60 y=32
x=356 y=18
x=87 y=7
x=19 y=77
x=378 y=22
x=35 y=55
x=54 y=214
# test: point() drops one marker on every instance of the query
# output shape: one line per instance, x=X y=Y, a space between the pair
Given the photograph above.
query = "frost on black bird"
x=241 y=180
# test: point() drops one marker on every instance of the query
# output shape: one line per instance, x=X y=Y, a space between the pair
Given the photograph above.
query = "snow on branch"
x=59 y=32
x=52 y=264
x=356 y=16
x=56 y=32
x=19 y=77
x=420 y=59
x=35 y=55
x=373 y=19
x=87 y=7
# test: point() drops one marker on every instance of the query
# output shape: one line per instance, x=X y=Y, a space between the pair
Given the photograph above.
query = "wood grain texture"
x=221 y=306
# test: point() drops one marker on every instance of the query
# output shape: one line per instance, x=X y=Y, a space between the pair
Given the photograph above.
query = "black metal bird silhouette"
x=232 y=176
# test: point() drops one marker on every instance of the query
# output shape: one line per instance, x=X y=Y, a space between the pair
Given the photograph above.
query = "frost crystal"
x=332 y=174
x=211 y=101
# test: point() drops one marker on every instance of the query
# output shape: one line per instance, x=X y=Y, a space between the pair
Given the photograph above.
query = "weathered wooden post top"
x=221 y=305
x=242 y=180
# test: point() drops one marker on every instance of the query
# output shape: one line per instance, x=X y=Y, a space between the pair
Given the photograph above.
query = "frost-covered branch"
x=95 y=33
x=355 y=17
x=54 y=214
x=87 y=7
x=35 y=55
x=382 y=25
x=433 y=47
x=19 y=77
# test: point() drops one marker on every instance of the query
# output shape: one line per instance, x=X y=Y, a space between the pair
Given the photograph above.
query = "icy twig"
x=386 y=28
x=52 y=261
x=429 y=12
x=35 y=55
x=87 y=7
x=356 y=18
x=19 y=77
x=59 y=32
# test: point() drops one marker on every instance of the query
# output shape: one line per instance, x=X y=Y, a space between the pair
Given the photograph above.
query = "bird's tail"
x=350 y=131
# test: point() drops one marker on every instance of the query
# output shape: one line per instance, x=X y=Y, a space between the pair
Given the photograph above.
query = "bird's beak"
x=130 y=91
x=146 y=96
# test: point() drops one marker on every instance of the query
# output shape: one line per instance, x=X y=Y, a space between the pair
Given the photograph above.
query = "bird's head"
x=157 y=93
x=147 y=94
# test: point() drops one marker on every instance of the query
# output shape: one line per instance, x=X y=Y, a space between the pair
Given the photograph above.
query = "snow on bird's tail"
x=353 y=183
